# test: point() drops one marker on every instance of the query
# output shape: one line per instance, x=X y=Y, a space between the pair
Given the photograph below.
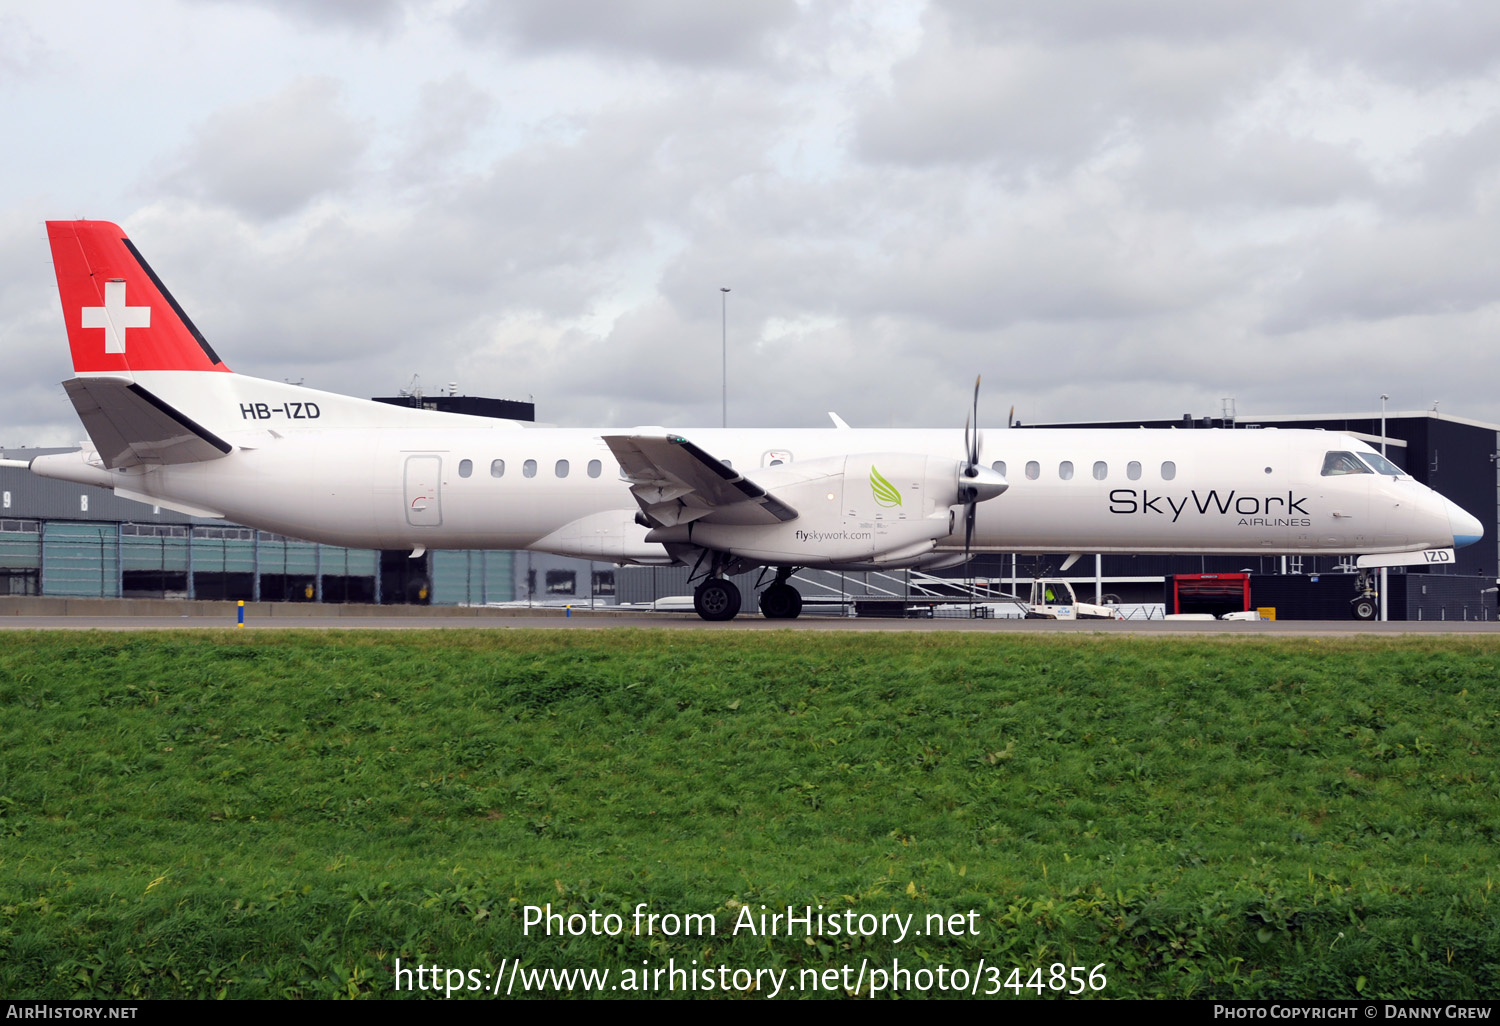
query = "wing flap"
x=129 y=426
x=676 y=482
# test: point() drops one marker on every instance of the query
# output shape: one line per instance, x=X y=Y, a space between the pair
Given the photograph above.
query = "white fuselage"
x=364 y=475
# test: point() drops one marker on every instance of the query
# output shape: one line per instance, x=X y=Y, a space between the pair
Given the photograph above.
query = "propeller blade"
x=970 y=494
x=974 y=448
x=969 y=463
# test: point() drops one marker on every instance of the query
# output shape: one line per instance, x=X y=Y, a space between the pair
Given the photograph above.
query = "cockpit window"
x=1337 y=464
x=1382 y=465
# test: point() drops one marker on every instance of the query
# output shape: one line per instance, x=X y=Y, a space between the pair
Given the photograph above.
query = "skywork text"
x=1126 y=501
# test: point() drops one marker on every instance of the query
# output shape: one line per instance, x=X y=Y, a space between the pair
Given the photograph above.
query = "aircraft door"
x=424 y=476
x=1345 y=495
x=1352 y=512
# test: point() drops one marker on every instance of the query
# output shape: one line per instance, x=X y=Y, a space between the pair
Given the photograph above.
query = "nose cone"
x=977 y=483
x=1466 y=529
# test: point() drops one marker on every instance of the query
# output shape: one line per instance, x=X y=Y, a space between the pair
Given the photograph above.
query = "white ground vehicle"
x=1055 y=600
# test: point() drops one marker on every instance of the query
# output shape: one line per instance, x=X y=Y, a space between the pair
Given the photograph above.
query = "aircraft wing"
x=677 y=483
x=130 y=426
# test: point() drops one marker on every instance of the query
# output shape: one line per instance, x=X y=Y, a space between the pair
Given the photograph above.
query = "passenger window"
x=998 y=467
x=595 y=467
x=561 y=468
x=497 y=468
x=1133 y=470
x=528 y=469
x=1101 y=470
x=1033 y=470
x=1065 y=470
x=1337 y=464
x=1168 y=470
x=465 y=468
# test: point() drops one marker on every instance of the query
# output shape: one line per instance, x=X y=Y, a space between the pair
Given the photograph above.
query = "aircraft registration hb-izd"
x=172 y=426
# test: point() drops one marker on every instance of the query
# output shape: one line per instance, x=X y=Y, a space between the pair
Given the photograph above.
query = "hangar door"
x=1208 y=593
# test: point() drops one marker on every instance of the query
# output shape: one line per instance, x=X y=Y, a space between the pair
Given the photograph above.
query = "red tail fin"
x=120 y=317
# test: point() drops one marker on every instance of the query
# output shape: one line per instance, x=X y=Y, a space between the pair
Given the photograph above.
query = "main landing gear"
x=718 y=599
x=781 y=601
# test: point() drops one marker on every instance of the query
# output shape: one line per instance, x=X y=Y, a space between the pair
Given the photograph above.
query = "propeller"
x=975 y=483
x=968 y=492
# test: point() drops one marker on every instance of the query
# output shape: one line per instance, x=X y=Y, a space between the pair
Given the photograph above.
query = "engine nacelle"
x=880 y=509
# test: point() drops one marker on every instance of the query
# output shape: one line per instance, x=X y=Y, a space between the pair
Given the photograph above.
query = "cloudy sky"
x=1108 y=209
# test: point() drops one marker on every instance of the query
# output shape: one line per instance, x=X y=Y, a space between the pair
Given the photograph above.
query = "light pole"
x=724 y=357
x=1384 y=579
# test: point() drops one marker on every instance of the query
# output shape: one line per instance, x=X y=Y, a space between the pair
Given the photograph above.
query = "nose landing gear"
x=1365 y=605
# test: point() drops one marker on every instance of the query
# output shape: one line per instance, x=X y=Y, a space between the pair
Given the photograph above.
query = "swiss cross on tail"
x=115 y=317
x=120 y=317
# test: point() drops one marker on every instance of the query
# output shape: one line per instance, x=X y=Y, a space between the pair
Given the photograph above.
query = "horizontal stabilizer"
x=676 y=482
x=129 y=426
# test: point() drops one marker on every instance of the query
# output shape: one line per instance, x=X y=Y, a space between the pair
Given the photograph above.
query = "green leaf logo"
x=885 y=492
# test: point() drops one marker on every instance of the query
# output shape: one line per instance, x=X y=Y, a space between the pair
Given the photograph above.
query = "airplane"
x=171 y=425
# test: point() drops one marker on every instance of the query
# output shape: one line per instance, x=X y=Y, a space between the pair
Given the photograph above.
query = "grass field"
x=287 y=814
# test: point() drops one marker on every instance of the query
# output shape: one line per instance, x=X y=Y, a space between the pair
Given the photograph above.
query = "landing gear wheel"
x=1364 y=609
x=781 y=602
x=717 y=599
